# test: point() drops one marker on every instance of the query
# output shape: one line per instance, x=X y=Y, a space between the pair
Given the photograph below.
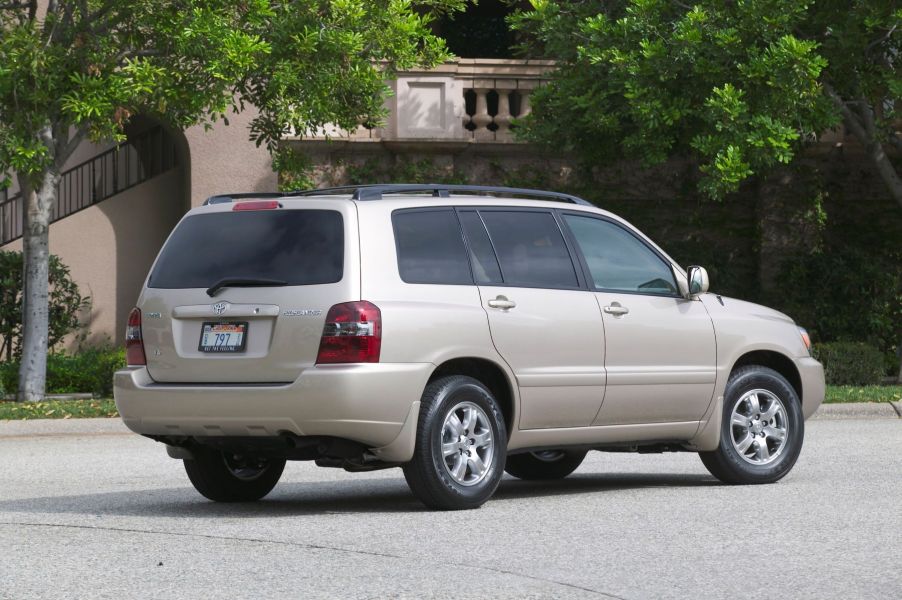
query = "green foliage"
x=91 y=65
x=739 y=85
x=87 y=371
x=294 y=168
x=65 y=303
x=850 y=363
x=405 y=171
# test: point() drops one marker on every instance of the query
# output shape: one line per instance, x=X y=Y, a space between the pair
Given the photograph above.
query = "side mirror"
x=698 y=280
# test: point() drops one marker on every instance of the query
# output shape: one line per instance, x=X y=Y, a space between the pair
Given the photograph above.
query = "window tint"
x=485 y=265
x=618 y=260
x=531 y=249
x=300 y=247
x=430 y=247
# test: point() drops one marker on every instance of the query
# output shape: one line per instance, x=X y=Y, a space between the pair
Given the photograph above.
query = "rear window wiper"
x=243 y=282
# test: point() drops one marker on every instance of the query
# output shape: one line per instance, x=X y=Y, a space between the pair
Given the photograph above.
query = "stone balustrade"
x=470 y=99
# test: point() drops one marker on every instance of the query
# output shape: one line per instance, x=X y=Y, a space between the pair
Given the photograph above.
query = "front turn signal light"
x=806 y=339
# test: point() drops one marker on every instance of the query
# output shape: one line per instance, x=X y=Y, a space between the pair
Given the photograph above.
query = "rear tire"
x=549 y=464
x=225 y=477
x=461 y=445
x=761 y=431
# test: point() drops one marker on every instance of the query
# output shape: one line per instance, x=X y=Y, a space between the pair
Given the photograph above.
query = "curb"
x=61 y=427
x=859 y=410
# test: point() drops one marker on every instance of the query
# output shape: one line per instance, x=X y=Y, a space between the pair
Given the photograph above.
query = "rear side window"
x=430 y=247
x=531 y=249
x=300 y=247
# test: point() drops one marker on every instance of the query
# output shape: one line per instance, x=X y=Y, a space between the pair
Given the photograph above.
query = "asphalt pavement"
x=88 y=510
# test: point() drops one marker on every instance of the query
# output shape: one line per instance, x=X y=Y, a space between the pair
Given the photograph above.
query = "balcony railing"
x=469 y=99
x=142 y=157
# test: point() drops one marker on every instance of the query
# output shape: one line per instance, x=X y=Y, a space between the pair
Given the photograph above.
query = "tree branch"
x=849 y=118
x=872 y=145
x=880 y=40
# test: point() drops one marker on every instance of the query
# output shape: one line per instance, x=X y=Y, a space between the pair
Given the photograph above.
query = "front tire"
x=544 y=465
x=226 y=477
x=461 y=445
x=761 y=431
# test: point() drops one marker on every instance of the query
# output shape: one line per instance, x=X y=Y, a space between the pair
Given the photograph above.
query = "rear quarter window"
x=300 y=247
x=430 y=247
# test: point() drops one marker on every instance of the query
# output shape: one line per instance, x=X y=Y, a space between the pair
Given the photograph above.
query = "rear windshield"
x=300 y=247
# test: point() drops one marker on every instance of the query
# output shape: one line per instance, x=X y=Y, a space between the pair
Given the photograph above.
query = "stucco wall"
x=109 y=248
x=225 y=160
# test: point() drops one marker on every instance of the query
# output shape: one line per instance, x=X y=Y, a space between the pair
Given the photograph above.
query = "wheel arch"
x=777 y=361
x=491 y=374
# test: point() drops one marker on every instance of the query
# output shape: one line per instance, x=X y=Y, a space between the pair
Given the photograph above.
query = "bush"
x=87 y=371
x=64 y=298
x=848 y=293
x=850 y=363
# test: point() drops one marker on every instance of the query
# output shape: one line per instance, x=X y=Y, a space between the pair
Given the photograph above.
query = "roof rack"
x=224 y=198
x=438 y=190
x=377 y=191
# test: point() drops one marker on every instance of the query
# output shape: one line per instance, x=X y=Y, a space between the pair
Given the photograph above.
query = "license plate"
x=223 y=337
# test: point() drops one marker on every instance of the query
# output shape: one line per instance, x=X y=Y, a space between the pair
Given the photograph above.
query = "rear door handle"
x=615 y=309
x=502 y=302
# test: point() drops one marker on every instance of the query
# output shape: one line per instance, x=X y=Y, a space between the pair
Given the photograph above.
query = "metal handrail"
x=146 y=155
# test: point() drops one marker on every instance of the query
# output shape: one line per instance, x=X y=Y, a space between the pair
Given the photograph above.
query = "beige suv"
x=454 y=331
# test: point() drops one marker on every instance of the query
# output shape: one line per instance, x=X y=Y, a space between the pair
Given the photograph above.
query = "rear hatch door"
x=281 y=269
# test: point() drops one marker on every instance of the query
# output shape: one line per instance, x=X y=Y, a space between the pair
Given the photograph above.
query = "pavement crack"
x=203 y=536
x=543 y=579
x=300 y=545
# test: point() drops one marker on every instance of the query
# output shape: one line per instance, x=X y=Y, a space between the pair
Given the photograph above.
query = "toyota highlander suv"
x=456 y=332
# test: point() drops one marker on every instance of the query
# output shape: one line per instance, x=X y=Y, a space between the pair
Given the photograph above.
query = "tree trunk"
x=35 y=308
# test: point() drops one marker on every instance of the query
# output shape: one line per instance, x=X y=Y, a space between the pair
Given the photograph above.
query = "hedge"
x=850 y=363
x=86 y=371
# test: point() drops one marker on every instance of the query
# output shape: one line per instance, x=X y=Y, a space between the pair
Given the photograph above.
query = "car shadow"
x=360 y=495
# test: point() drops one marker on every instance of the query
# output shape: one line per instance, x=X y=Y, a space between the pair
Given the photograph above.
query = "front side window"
x=431 y=248
x=531 y=249
x=618 y=261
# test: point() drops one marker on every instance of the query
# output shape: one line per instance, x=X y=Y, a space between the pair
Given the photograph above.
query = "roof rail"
x=439 y=190
x=224 y=198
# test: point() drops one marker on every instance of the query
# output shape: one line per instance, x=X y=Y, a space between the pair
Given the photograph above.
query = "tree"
x=75 y=70
x=739 y=85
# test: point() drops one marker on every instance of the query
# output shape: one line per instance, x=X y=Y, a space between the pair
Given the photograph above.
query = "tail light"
x=134 y=341
x=352 y=334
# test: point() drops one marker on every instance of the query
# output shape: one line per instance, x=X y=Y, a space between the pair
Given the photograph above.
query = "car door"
x=543 y=320
x=660 y=350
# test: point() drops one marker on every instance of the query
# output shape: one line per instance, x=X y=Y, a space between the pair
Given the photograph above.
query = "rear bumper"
x=811 y=373
x=366 y=403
